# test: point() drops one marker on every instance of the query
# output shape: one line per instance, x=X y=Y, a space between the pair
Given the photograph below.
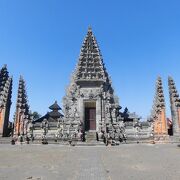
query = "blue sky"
x=139 y=40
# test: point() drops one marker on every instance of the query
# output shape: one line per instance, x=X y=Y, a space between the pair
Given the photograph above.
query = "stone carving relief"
x=90 y=93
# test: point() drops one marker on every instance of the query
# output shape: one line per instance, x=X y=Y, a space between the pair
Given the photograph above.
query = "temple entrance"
x=90 y=116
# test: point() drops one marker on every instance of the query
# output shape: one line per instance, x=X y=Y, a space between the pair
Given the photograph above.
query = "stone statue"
x=45 y=127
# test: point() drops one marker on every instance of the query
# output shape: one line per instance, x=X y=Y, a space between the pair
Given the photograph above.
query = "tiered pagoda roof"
x=55 y=111
x=5 y=86
x=55 y=107
x=22 y=102
x=90 y=66
x=175 y=106
x=159 y=100
x=174 y=96
x=5 y=100
x=54 y=115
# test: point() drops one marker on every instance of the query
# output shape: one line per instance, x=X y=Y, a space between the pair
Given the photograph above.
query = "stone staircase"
x=90 y=140
x=91 y=137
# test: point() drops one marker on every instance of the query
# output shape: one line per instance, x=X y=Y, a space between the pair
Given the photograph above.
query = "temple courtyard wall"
x=128 y=161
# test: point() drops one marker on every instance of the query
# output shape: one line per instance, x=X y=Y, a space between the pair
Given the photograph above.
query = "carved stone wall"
x=90 y=82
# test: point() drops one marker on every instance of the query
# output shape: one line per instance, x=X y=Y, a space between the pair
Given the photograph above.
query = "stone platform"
x=90 y=141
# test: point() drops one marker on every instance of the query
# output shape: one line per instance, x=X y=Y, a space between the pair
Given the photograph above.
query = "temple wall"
x=145 y=132
x=38 y=131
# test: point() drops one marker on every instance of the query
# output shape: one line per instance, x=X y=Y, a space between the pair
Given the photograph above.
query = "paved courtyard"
x=137 y=162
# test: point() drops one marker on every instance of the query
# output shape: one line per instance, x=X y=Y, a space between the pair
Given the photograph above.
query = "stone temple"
x=91 y=109
x=90 y=99
x=90 y=106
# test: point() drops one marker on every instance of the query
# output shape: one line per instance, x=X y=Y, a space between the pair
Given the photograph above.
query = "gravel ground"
x=136 y=162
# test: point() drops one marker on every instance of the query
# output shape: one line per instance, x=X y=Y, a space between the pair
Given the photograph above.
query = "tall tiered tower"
x=175 y=106
x=159 y=113
x=5 y=100
x=90 y=98
x=22 y=109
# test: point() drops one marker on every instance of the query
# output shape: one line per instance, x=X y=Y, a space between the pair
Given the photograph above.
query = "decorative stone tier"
x=22 y=116
x=5 y=100
x=158 y=116
x=175 y=106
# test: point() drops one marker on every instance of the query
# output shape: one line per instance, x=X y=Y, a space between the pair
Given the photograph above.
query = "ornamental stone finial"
x=89 y=29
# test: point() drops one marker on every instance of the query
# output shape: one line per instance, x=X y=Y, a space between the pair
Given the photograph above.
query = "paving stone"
x=54 y=162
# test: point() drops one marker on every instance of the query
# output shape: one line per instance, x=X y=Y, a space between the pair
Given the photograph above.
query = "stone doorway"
x=90 y=116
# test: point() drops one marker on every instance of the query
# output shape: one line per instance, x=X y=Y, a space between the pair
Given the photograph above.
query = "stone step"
x=91 y=143
x=90 y=136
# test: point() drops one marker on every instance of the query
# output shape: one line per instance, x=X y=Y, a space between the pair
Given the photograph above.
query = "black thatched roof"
x=41 y=118
x=55 y=106
x=54 y=115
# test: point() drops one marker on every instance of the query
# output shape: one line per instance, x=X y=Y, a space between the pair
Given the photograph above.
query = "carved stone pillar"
x=1 y=120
